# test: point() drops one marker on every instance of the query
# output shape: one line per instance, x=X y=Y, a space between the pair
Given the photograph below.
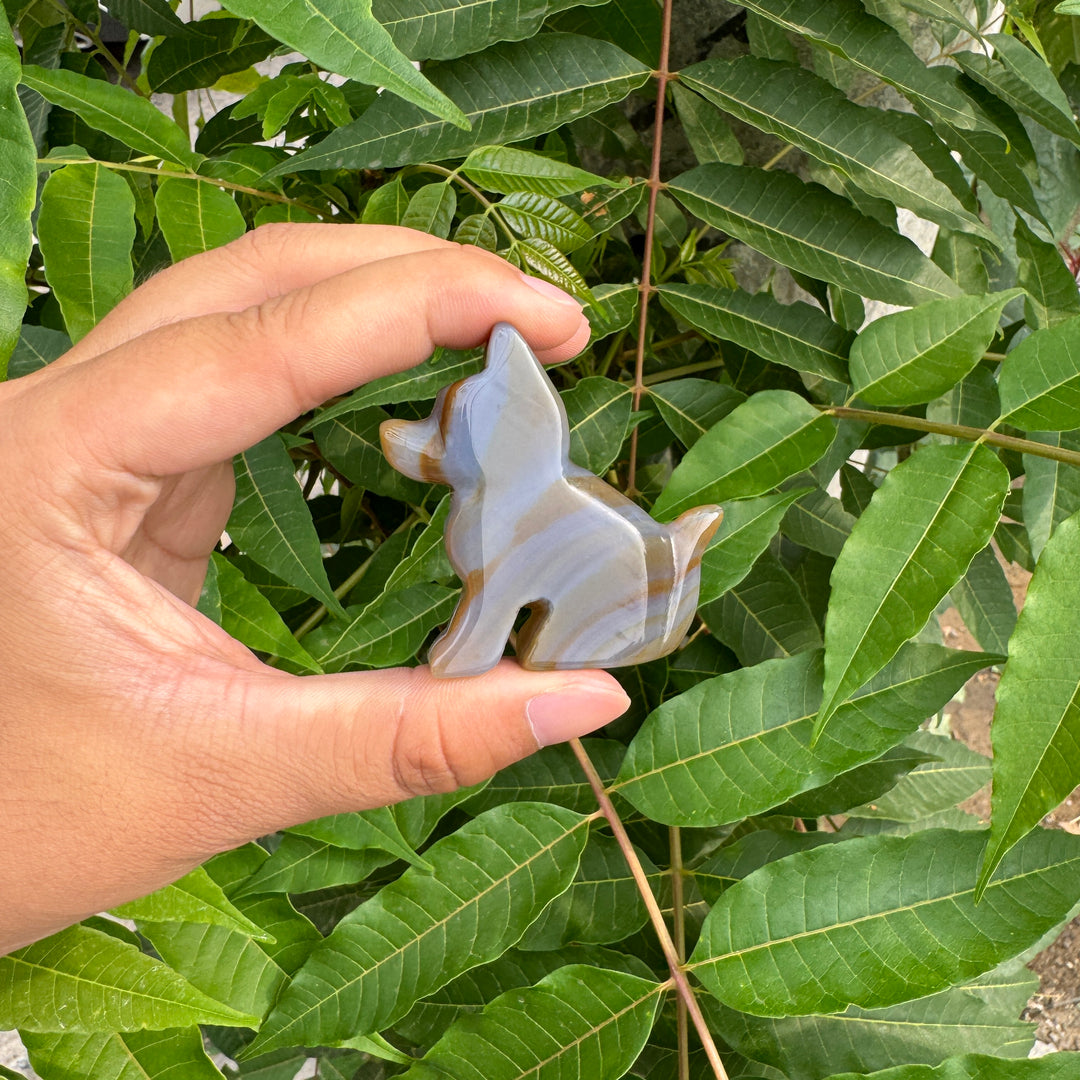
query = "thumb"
x=366 y=739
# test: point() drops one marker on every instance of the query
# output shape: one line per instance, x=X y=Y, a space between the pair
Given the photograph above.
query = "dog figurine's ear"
x=512 y=411
x=416 y=447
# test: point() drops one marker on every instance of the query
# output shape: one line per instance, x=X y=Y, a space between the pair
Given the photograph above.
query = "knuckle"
x=422 y=759
x=263 y=242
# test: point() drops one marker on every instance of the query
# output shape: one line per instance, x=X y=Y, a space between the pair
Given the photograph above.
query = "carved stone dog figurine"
x=606 y=585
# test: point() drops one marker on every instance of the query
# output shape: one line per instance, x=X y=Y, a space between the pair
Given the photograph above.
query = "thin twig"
x=957 y=431
x=491 y=209
x=179 y=174
x=645 y=287
x=678 y=930
x=656 y=916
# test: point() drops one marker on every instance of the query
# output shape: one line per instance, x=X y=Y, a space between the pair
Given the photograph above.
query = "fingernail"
x=552 y=292
x=573 y=711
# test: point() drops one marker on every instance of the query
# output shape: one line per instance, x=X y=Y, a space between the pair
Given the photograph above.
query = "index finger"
x=269 y=261
x=197 y=392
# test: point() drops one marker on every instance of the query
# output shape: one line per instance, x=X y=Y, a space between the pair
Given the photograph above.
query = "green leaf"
x=1039 y=382
x=132 y=1055
x=708 y=133
x=416 y=384
x=1051 y=291
x=858 y=785
x=37 y=347
x=598 y=411
x=386 y=632
x=998 y=163
x=529 y=213
x=961 y=257
x=245 y=970
x=977 y=1067
x=446 y=29
x=492 y=878
x=300 y=865
x=744 y=533
x=876 y=921
x=551 y=775
x=249 y=617
x=479 y=231
x=799 y=107
x=1036 y=730
x=545 y=260
x=387 y=204
x=195 y=898
x=973 y=401
x=427 y=561
x=212 y=48
x=376 y=828
x=86 y=228
x=82 y=980
x=508 y=93
x=506 y=169
x=347 y=39
x=349 y=440
x=578 y=1021
x=741 y=857
x=984 y=600
x=634 y=25
x=739 y=744
x=796 y=335
x=1022 y=79
x=431 y=210
x=134 y=120
x=978 y=1015
x=845 y=29
x=933 y=786
x=764 y=616
x=945 y=11
x=913 y=543
x=808 y=228
x=196 y=216
x=470 y=992
x=153 y=17
x=17 y=196
x=772 y=436
x=691 y=406
x=602 y=904
x=818 y=522
x=914 y=356
x=1051 y=491
x=271 y=523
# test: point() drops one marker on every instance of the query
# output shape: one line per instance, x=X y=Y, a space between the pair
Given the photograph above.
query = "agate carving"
x=604 y=583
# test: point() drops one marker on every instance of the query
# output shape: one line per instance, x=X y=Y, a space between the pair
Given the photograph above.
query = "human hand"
x=136 y=737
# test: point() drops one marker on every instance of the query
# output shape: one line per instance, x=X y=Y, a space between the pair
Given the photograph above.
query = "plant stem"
x=678 y=930
x=180 y=174
x=346 y=586
x=645 y=288
x=490 y=208
x=678 y=372
x=958 y=431
x=667 y=343
x=656 y=916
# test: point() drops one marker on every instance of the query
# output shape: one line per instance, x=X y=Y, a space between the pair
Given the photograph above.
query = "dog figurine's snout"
x=606 y=585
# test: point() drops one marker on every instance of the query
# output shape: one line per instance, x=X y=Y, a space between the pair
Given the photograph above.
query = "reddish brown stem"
x=645 y=288
x=656 y=916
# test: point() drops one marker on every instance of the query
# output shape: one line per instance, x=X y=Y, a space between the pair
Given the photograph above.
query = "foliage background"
x=499 y=932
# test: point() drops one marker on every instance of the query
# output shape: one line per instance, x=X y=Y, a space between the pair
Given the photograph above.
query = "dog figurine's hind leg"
x=606 y=584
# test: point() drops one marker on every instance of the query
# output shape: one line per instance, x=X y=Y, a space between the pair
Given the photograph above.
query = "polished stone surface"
x=606 y=585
